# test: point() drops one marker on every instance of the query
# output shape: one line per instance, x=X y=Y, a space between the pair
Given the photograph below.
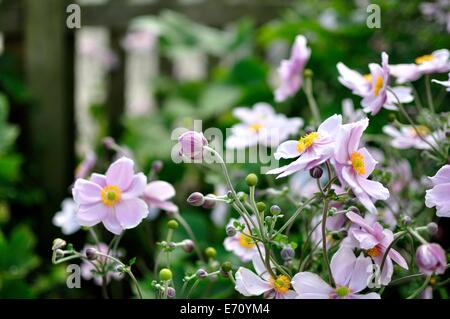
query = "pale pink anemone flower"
x=377 y=97
x=291 y=70
x=66 y=218
x=436 y=62
x=88 y=268
x=261 y=126
x=112 y=199
x=157 y=194
x=407 y=137
x=363 y=85
x=353 y=165
x=312 y=149
x=241 y=245
x=445 y=84
x=250 y=284
x=439 y=195
x=350 y=274
x=368 y=235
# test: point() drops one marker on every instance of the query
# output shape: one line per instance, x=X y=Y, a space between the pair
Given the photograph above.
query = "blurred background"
x=138 y=69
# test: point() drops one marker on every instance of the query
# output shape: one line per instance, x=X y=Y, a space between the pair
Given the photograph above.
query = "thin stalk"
x=311 y=100
x=420 y=289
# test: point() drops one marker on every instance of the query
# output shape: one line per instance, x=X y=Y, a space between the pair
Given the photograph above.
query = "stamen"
x=422 y=129
x=246 y=241
x=378 y=86
x=256 y=127
x=357 y=160
x=368 y=77
x=281 y=284
x=306 y=141
x=343 y=291
x=111 y=195
x=374 y=251
x=424 y=58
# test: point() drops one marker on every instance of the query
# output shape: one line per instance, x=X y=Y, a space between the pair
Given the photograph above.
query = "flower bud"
x=226 y=267
x=91 y=253
x=260 y=206
x=287 y=253
x=432 y=228
x=191 y=144
x=353 y=209
x=201 y=274
x=231 y=231
x=59 y=253
x=172 y=224
x=308 y=73
x=406 y=220
x=431 y=259
x=157 y=166
x=251 y=180
x=316 y=172
x=275 y=210
x=242 y=196
x=171 y=245
x=188 y=245
x=171 y=293
x=210 y=252
x=165 y=274
x=196 y=199
x=447 y=134
x=108 y=142
x=59 y=243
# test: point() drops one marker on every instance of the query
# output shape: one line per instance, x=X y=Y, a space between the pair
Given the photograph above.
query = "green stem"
x=190 y=233
x=311 y=100
x=429 y=95
x=420 y=289
x=324 y=240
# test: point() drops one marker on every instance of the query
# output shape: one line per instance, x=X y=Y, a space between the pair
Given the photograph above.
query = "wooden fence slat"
x=49 y=72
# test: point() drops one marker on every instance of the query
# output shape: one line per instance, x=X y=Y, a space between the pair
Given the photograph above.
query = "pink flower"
x=405 y=72
x=191 y=144
x=374 y=101
x=157 y=195
x=112 y=199
x=312 y=149
x=407 y=137
x=368 y=235
x=351 y=275
x=431 y=259
x=241 y=245
x=439 y=195
x=445 y=84
x=250 y=284
x=353 y=80
x=291 y=70
x=66 y=218
x=261 y=126
x=353 y=165
x=88 y=270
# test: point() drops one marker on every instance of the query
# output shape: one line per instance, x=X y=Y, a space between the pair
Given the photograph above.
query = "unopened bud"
x=226 y=266
x=108 y=142
x=260 y=206
x=91 y=254
x=165 y=274
x=172 y=224
x=210 y=252
x=308 y=73
x=432 y=228
x=231 y=231
x=275 y=210
x=157 y=166
x=201 y=274
x=209 y=202
x=171 y=292
x=316 y=172
x=242 y=196
x=406 y=220
x=188 y=245
x=196 y=199
x=251 y=180
x=287 y=253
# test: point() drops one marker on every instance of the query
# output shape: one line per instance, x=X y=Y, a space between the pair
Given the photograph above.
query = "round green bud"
x=260 y=206
x=251 y=180
x=172 y=224
x=226 y=266
x=210 y=252
x=242 y=196
x=308 y=73
x=275 y=210
x=165 y=274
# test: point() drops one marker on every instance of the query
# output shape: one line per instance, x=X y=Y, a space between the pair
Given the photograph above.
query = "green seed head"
x=210 y=252
x=251 y=180
x=165 y=274
x=172 y=224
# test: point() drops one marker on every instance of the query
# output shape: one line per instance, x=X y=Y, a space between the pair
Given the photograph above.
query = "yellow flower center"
x=255 y=127
x=306 y=141
x=111 y=195
x=424 y=58
x=281 y=284
x=368 y=77
x=343 y=291
x=246 y=241
x=357 y=160
x=374 y=252
x=378 y=86
x=421 y=129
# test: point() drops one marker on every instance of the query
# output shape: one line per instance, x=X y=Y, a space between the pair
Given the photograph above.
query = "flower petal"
x=249 y=284
x=86 y=192
x=130 y=212
x=310 y=285
x=121 y=173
